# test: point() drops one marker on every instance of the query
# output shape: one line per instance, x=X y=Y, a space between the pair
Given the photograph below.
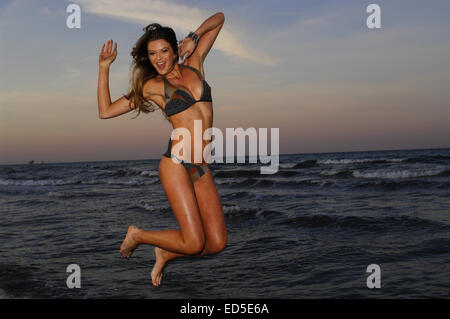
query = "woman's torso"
x=186 y=102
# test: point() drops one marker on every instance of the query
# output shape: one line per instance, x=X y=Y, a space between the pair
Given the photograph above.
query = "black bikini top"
x=178 y=100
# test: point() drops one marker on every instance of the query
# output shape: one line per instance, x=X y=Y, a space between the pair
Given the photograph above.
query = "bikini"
x=178 y=100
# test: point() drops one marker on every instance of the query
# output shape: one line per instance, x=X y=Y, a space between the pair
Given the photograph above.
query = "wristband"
x=193 y=36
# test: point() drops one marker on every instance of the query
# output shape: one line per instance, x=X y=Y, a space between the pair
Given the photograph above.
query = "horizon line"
x=284 y=154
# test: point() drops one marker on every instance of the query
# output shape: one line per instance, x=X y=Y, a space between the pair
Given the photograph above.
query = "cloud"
x=179 y=16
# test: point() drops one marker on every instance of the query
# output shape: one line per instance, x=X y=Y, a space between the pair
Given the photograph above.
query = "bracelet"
x=193 y=36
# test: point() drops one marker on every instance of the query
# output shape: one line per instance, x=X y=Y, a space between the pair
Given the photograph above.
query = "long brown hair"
x=143 y=70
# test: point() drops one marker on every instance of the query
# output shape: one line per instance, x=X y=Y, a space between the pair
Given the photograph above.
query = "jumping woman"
x=182 y=93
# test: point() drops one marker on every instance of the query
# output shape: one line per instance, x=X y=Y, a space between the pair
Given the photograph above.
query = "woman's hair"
x=143 y=70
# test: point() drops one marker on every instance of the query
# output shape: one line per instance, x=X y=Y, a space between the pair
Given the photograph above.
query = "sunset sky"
x=311 y=68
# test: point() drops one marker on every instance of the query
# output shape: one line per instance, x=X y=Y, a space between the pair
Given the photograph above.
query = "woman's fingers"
x=115 y=48
x=109 y=49
x=108 y=52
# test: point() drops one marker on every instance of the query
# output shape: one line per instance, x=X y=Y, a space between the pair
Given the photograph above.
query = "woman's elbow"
x=103 y=111
x=103 y=116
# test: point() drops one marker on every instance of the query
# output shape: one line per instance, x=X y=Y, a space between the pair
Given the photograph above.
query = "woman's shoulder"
x=153 y=89
x=154 y=85
x=155 y=80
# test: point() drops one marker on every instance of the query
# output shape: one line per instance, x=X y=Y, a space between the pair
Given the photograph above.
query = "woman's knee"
x=195 y=245
x=216 y=245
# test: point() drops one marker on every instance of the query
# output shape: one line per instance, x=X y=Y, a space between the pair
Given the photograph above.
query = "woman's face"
x=161 y=55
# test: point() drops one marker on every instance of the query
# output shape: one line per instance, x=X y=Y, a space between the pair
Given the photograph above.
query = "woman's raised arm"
x=207 y=33
x=106 y=109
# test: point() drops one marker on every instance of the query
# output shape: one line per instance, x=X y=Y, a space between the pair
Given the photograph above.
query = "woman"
x=183 y=95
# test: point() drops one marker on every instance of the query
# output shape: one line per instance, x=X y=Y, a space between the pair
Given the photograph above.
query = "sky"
x=311 y=68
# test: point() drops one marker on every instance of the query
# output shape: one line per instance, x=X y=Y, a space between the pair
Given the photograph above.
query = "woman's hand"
x=185 y=48
x=107 y=55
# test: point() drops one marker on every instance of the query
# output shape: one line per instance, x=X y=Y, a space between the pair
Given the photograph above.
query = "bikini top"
x=178 y=100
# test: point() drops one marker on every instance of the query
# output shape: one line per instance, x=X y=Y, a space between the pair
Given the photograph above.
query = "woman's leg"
x=190 y=239
x=210 y=210
x=213 y=225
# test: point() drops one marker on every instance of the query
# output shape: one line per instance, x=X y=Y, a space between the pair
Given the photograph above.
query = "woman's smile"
x=161 y=65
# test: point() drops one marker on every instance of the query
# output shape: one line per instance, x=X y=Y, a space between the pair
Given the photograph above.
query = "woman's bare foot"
x=157 y=271
x=129 y=243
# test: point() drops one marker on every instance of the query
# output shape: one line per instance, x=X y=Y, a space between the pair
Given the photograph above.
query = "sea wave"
x=236 y=173
x=287 y=165
x=299 y=165
x=38 y=182
x=264 y=182
x=388 y=223
x=149 y=173
x=150 y=207
x=234 y=209
x=127 y=172
x=337 y=173
x=77 y=194
x=428 y=159
x=305 y=164
x=391 y=185
x=362 y=160
x=396 y=174
x=247 y=213
x=125 y=181
x=90 y=181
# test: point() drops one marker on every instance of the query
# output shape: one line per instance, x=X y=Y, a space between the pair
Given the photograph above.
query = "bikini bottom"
x=195 y=171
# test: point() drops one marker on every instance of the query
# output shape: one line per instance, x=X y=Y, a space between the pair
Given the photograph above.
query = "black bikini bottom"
x=195 y=171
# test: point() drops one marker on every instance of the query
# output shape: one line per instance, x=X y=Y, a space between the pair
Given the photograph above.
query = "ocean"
x=309 y=231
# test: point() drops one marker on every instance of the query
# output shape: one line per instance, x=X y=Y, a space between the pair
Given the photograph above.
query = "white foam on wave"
x=58 y=182
x=132 y=182
x=39 y=182
x=395 y=174
x=288 y=165
x=330 y=172
x=236 y=209
x=362 y=160
x=149 y=173
x=219 y=181
x=151 y=207
x=122 y=181
x=233 y=209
